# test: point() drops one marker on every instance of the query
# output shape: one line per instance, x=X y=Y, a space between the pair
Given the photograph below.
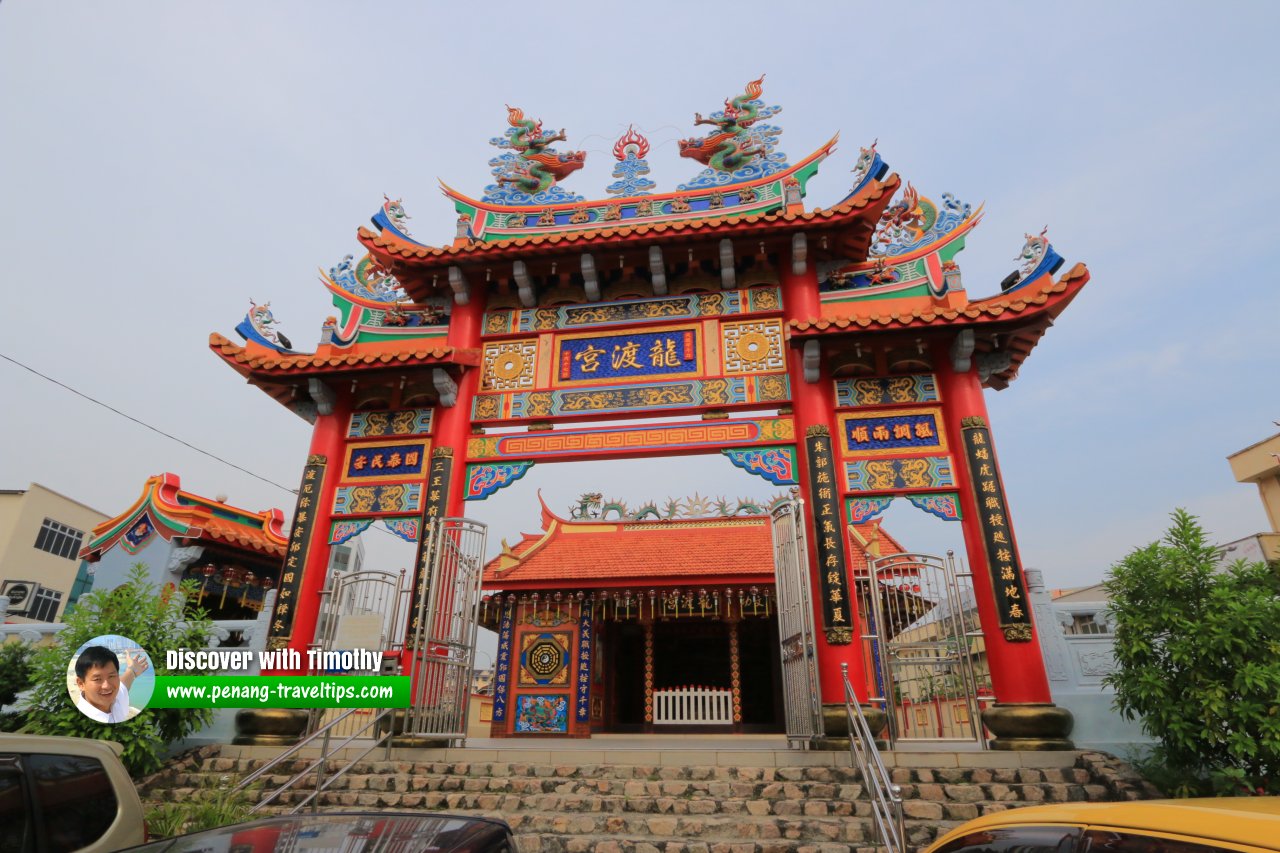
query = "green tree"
x=15 y=677
x=1198 y=654
x=157 y=620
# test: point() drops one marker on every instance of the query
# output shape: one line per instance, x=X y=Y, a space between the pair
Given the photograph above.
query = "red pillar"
x=1017 y=669
x=814 y=404
x=328 y=439
x=453 y=424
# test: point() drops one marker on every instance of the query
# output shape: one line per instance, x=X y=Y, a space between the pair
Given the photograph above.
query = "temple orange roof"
x=258 y=359
x=164 y=509
x=625 y=552
x=860 y=213
x=1022 y=316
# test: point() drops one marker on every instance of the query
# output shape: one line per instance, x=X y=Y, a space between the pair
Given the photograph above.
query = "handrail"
x=320 y=764
x=885 y=796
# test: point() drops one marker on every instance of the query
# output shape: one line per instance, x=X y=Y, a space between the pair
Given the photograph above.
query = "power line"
x=145 y=424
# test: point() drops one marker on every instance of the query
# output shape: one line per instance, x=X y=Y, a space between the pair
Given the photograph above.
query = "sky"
x=161 y=164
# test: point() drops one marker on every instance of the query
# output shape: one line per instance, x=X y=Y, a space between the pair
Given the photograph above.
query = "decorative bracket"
x=485 y=478
x=812 y=360
x=945 y=505
x=590 y=283
x=775 y=464
x=865 y=509
x=341 y=531
x=445 y=386
x=993 y=362
x=962 y=351
x=799 y=253
x=658 y=269
x=322 y=395
x=728 y=275
x=458 y=283
x=524 y=284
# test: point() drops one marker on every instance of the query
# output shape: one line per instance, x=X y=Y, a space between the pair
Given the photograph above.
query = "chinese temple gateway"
x=831 y=349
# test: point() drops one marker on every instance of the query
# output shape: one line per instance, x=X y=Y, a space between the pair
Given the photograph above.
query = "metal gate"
x=360 y=610
x=801 y=692
x=925 y=640
x=441 y=649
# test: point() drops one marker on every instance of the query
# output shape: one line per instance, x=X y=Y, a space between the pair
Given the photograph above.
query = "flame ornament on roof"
x=1037 y=258
x=742 y=147
x=257 y=326
x=630 y=151
x=528 y=173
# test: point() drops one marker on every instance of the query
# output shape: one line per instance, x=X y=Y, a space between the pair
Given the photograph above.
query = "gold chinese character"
x=304 y=503
x=311 y=475
x=902 y=431
x=837 y=614
x=376 y=462
x=822 y=462
x=1015 y=612
x=833 y=578
x=988 y=485
x=282 y=609
x=819 y=446
x=835 y=596
x=1004 y=555
x=625 y=355
x=433 y=510
x=295 y=547
x=394 y=460
x=824 y=477
x=977 y=437
x=999 y=538
x=1006 y=573
x=829 y=543
x=286 y=592
x=859 y=434
x=411 y=458
x=293 y=563
x=1011 y=591
x=302 y=517
x=831 y=561
x=924 y=430
x=984 y=470
x=995 y=519
x=828 y=527
x=288 y=578
x=358 y=463
x=991 y=503
x=664 y=356
x=880 y=433
x=981 y=453
x=590 y=358
x=824 y=493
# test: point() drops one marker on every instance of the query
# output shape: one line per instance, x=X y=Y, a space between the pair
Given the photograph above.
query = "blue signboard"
x=642 y=355
x=888 y=433
x=385 y=461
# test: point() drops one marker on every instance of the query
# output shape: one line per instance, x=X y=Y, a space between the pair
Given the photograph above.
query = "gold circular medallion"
x=508 y=365
x=752 y=346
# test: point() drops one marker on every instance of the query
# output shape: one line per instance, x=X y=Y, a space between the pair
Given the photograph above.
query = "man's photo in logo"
x=110 y=679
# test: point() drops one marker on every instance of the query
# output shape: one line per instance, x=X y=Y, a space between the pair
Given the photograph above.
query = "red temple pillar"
x=1024 y=716
x=814 y=406
x=453 y=426
x=328 y=440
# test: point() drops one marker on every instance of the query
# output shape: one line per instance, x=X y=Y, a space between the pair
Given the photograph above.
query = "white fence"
x=693 y=706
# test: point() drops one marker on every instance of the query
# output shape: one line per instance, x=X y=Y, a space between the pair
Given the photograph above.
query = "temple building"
x=232 y=556
x=836 y=349
x=671 y=621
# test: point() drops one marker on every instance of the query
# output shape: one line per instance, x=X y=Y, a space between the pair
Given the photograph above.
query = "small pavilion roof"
x=172 y=513
x=255 y=359
x=676 y=552
x=1021 y=317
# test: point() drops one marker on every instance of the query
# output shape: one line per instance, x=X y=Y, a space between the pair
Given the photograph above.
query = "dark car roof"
x=440 y=833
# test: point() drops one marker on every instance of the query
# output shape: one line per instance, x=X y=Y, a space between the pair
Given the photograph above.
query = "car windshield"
x=445 y=833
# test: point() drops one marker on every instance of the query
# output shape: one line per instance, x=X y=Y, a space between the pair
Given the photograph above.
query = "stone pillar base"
x=396 y=723
x=835 y=726
x=1029 y=726
x=270 y=726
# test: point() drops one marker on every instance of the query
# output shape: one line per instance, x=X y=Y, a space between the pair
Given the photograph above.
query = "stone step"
x=612 y=795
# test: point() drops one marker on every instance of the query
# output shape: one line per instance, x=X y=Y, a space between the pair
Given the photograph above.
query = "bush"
x=157 y=621
x=208 y=807
x=15 y=677
x=1198 y=662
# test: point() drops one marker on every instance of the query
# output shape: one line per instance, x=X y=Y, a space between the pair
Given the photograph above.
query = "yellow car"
x=1228 y=825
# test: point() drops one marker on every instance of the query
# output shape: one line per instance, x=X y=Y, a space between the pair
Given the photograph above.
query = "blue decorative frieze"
x=483 y=479
x=886 y=391
x=865 y=509
x=945 y=505
x=775 y=464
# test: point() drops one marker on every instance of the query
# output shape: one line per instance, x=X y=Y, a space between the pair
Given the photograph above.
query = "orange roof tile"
x=617 y=553
x=1050 y=296
x=727 y=226
x=257 y=359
